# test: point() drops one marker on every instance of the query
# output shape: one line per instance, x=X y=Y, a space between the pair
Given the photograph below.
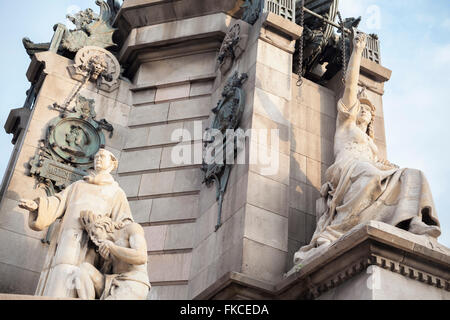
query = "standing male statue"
x=361 y=187
x=97 y=192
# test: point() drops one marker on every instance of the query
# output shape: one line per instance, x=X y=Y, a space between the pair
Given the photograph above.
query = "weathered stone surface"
x=148 y=114
x=380 y=284
x=263 y=262
x=32 y=251
x=155 y=237
x=303 y=197
x=165 y=134
x=269 y=163
x=160 y=183
x=298 y=167
x=174 y=208
x=140 y=209
x=265 y=227
x=180 y=236
x=22 y=186
x=154 y=35
x=273 y=81
x=137 y=137
x=20 y=281
x=187 y=180
x=267 y=194
x=297 y=226
x=130 y=184
x=274 y=57
x=137 y=161
x=169 y=267
x=144 y=96
x=261 y=124
x=201 y=88
x=170 y=292
x=188 y=109
x=171 y=155
x=172 y=92
x=15 y=219
x=177 y=69
x=271 y=106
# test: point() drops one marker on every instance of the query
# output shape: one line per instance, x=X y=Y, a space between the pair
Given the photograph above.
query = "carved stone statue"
x=123 y=249
x=361 y=187
x=97 y=192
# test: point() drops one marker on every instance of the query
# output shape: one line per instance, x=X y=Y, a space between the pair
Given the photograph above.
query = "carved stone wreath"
x=233 y=45
x=96 y=64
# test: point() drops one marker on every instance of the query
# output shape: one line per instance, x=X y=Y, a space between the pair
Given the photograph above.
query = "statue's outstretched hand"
x=29 y=205
x=359 y=40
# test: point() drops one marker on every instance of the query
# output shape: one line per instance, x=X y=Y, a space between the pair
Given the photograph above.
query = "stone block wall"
x=313 y=125
x=164 y=196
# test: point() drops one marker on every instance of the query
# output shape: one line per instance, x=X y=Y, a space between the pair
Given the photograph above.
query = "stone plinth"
x=374 y=261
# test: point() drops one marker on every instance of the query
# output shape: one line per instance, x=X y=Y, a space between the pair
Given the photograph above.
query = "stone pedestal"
x=374 y=261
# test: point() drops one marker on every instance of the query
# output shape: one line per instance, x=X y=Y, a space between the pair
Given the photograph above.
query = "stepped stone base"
x=374 y=261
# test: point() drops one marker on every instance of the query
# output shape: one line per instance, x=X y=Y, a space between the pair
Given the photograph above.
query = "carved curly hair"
x=90 y=221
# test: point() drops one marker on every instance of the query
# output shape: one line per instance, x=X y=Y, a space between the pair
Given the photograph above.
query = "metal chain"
x=344 y=49
x=300 y=46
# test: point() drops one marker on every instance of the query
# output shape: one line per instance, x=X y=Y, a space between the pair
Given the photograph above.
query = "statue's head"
x=97 y=67
x=366 y=115
x=105 y=162
x=99 y=228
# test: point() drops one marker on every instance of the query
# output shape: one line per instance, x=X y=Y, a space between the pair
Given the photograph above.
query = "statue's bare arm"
x=29 y=205
x=352 y=78
x=136 y=254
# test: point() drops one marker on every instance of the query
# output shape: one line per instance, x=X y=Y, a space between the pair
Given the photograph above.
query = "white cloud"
x=442 y=55
x=353 y=8
x=446 y=23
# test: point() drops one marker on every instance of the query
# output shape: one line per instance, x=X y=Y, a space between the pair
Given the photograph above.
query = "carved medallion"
x=234 y=44
x=228 y=114
x=96 y=64
x=69 y=148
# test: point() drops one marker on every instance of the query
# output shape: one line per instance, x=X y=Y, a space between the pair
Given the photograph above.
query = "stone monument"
x=148 y=82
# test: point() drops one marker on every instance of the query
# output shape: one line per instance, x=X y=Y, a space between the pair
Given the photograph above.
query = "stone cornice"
x=140 y=13
x=172 y=33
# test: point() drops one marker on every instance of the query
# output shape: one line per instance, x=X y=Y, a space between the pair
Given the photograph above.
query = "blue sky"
x=415 y=39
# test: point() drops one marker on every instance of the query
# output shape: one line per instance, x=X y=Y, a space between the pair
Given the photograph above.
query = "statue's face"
x=365 y=114
x=103 y=162
x=98 y=233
